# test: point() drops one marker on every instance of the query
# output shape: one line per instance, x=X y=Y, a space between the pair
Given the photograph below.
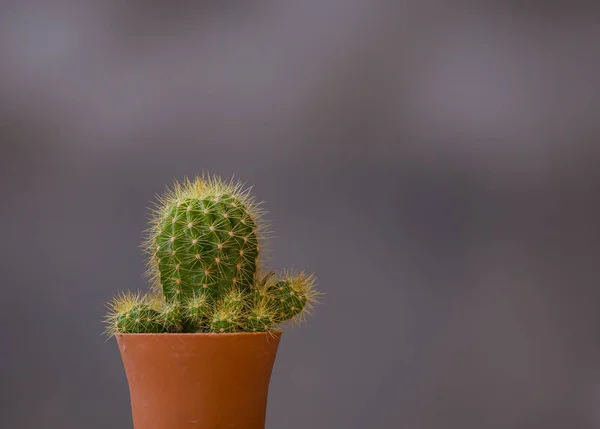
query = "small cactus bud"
x=203 y=255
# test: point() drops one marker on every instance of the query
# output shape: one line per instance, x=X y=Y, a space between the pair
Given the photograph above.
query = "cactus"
x=197 y=312
x=228 y=312
x=295 y=296
x=204 y=244
x=225 y=318
x=261 y=314
x=131 y=313
x=291 y=296
x=171 y=317
x=204 y=235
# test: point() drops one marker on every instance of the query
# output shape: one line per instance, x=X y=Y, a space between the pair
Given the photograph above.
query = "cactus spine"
x=204 y=246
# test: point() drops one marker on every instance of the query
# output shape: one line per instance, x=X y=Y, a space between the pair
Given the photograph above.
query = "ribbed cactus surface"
x=204 y=245
x=207 y=243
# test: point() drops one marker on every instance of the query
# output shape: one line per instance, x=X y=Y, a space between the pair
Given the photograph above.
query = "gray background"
x=435 y=163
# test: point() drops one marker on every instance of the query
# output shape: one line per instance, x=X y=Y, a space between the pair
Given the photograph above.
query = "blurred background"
x=435 y=163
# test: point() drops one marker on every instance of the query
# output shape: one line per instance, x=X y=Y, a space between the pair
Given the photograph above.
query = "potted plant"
x=198 y=348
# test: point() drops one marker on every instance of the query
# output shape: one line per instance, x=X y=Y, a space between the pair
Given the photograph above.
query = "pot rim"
x=200 y=334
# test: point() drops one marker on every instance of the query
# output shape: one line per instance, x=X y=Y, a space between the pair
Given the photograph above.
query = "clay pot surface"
x=198 y=381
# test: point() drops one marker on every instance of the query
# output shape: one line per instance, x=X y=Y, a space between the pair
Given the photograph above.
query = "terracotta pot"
x=198 y=381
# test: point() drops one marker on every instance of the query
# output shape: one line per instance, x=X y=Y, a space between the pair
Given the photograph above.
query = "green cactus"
x=131 y=313
x=197 y=311
x=226 y=317
x=292 y=296
x=204 y=243
x=204 y=236
x=171 y=317
x=261 y=314
x=291 y=302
